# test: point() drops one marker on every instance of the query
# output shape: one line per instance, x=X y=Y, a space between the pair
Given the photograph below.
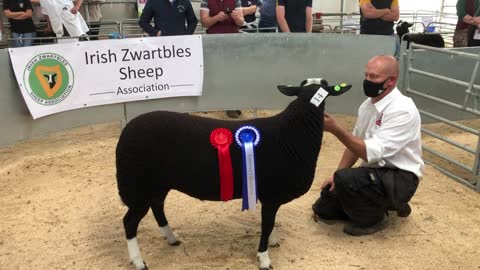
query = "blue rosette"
x=248 y=137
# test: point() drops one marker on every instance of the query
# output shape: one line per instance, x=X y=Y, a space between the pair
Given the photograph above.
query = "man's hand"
x=329 y=123
x=476 y=21
x=236 y=14
x=221 y=16
x=329 y=181
x=74 y=10
x=159 y=33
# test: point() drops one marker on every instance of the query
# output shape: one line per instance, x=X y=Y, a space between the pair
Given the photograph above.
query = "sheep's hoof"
x=266 y=268
x=176 y=243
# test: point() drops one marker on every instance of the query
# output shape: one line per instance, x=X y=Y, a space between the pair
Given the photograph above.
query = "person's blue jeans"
x=23 y=39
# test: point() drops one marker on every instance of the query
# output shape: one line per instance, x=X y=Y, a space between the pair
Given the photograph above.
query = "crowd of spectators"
x=82 y=18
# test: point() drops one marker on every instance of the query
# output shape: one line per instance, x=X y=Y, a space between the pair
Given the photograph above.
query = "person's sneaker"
x=234 y=113
x=355 y=230
x=404 y=210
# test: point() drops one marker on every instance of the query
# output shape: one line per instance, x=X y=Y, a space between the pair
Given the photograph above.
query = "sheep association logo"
x=48 y=78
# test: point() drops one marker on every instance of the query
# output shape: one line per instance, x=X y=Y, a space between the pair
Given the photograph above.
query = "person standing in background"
x=468 y=12
x=295 y=15
x=64 y=15
x=169 y=17
x=249 y=8
x=222 y=17
x=377 y=16
x=19 y=14
x=268 y=16
x=94 y=17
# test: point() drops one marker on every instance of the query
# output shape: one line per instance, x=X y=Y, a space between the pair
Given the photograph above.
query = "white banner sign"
x=61 y=77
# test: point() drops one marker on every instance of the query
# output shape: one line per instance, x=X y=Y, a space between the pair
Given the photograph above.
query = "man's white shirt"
x=391 y=130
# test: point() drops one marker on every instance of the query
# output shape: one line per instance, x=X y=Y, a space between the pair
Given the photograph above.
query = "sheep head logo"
x=48 y=79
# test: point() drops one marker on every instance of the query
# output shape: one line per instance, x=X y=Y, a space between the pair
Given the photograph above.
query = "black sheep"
x=160 y=151
x=432 y=40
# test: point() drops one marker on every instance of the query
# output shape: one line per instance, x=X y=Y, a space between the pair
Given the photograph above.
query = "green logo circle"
x=48 y=78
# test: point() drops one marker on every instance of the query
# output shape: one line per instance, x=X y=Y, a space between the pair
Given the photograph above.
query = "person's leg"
x=399 y=188
x=327 y=207
x=460 y=38
x=17 y=42
x=362 y=197
x=28 y=38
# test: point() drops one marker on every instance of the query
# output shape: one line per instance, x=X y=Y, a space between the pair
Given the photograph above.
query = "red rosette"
x=221 y=139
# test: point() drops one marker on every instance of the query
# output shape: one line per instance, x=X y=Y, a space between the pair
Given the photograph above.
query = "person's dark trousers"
x=267 y=22
x=94 y=30
x=363 y=195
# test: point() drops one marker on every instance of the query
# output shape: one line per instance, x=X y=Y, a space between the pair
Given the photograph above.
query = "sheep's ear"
x=409 y=24
x=289 y=90
x=336 y=90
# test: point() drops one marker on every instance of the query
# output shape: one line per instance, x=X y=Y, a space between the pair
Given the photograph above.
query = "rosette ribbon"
x=221 y=138
x=248 y=137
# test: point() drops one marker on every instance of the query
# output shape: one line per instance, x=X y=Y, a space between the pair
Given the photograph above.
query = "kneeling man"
x=387 y=138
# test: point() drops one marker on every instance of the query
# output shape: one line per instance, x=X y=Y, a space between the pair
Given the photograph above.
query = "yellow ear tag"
x=343 y=84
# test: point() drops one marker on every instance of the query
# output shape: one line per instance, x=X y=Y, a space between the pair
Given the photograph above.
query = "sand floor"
x=60 y=210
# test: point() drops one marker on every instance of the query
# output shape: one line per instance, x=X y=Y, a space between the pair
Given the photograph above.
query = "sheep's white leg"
x=264 y=260
x=273 y=239
x=134 y=254
x=172 y=239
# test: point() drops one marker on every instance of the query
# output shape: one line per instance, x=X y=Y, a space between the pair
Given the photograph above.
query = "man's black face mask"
x=373 y=89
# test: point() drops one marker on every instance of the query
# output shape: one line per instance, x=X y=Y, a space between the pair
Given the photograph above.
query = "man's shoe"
x=404 y=210
x=355 y=230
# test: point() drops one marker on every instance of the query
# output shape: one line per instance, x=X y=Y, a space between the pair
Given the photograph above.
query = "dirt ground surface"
x=60 y=210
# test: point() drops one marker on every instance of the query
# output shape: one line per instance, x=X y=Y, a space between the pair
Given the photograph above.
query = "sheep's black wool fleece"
x=160 y=151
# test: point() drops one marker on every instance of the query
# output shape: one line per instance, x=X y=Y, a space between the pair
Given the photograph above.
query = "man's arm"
x=347 y=161
x=471 y=20
x=208 y=21
x=282 y=22
x=355 y=144
x=237 y=17
x=249 y=10
x=76 y=6
x=237 y=14
x=145 y=18
x=394 y=14
x=26 y=15
x=309 y=20
x=191 y=20
x=370 y=12
x=12 y=15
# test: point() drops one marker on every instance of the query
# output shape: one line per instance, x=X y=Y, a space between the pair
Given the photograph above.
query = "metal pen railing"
x=471 y=104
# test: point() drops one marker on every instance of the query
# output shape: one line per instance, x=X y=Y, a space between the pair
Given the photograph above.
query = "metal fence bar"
x=410 y=70
x=440 y=137
x=439 y=100
x=438 y=154
x=453 y=176
x=452 y=123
